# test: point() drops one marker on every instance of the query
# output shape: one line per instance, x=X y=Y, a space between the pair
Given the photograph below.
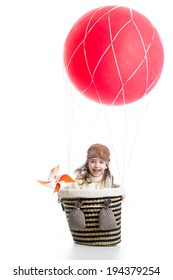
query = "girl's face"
x=97 y=166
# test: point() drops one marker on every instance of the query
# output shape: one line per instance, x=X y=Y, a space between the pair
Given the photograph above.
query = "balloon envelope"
x=113 y=55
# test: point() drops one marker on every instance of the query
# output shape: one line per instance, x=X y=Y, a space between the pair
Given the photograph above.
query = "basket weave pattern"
x=92 y=235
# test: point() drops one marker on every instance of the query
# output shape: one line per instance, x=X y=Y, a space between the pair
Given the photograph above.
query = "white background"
x=32 y=118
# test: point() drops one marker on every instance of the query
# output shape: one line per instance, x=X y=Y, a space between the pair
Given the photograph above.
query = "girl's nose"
x=97 y=164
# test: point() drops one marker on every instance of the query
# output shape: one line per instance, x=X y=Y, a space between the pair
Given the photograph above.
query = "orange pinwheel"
x=54 y=180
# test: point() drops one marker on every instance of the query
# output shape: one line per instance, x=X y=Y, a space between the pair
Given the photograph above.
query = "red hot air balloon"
x=113 y=55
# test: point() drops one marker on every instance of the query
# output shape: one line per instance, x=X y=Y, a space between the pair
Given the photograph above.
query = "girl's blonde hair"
x=82 y=174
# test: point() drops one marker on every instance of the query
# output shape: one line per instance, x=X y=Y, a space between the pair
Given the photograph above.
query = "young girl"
x=95 y=193
x=95 y=172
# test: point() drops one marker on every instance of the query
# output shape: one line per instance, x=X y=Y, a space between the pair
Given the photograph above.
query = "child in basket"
x=95 y=193
x=95 y=172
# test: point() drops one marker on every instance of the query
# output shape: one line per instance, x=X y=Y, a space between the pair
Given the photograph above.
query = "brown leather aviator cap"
x=98 y=151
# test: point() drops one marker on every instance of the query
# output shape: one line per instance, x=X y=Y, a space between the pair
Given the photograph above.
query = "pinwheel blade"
x=49 y=184
x=53 y=172
x=44 y=182
x=57 y=187
x=66 y=178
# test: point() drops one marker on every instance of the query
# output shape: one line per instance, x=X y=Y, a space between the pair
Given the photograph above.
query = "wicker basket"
x=92 y=235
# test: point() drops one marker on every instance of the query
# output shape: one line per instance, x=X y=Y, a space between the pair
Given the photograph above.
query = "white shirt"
x=96 y=183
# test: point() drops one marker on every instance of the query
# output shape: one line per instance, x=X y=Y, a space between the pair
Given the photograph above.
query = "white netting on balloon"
x=113 y=55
